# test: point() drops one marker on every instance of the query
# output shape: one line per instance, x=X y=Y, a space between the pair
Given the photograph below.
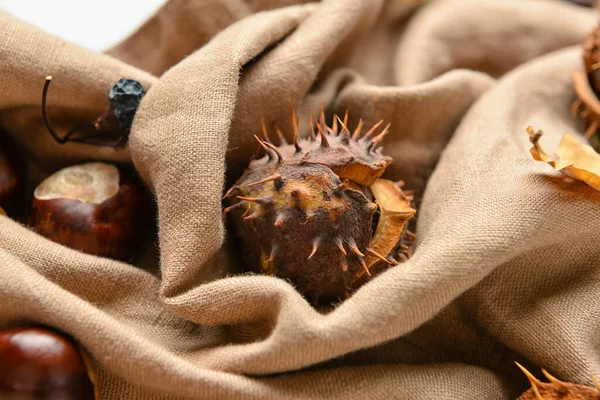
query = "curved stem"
x=92 y=139
x=45 y=113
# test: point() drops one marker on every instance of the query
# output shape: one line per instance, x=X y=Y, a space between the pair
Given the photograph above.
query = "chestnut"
x=96 y=208
x=12 y=177
x=41 y=364
x=586 y=3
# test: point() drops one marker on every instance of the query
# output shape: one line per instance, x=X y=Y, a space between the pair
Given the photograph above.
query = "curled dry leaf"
x=395 y=212
x=575 y=159
x=557 y=389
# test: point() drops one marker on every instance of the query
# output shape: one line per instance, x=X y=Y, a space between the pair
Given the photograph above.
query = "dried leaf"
x=574 y=158
x=395 y=210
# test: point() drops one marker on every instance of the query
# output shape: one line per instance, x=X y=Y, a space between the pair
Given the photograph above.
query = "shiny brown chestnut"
x=41 y=364
x=96 y=208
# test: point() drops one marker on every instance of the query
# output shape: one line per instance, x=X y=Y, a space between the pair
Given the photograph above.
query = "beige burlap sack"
x=504 y=268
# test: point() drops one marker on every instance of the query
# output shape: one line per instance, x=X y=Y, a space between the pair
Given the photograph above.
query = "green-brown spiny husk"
x=305 y=211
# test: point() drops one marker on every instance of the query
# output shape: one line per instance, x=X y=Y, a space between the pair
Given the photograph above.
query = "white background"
x=92 y=24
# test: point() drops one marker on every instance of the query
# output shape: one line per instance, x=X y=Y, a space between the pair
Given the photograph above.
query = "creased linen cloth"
x=506 y=263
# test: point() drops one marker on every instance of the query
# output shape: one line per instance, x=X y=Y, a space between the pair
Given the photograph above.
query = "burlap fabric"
x=506 y=266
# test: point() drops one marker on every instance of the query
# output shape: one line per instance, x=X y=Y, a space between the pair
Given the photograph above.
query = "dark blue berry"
x=125 y=98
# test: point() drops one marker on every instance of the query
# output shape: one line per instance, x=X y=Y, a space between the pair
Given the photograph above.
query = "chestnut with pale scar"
x=317 y=213
x=94 y=207
x=88 y=183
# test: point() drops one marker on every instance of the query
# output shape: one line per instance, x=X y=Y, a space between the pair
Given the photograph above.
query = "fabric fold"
x=505 y=267
x=489 y=36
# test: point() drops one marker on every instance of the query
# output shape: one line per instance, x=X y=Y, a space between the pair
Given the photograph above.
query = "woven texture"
x=506 y=264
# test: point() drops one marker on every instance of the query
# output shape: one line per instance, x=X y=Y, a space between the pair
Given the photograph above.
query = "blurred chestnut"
x=587 y=3
x=12 y=177
x=95 y=208
x=41 y=364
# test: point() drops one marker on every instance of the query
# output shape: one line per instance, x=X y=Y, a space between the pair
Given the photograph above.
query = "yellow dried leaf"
x=574 y=158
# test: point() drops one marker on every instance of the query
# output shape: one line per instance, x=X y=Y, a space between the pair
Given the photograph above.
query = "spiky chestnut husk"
x=304 y=211
x=557 y=389
x=591 y=58
x=587 y=88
